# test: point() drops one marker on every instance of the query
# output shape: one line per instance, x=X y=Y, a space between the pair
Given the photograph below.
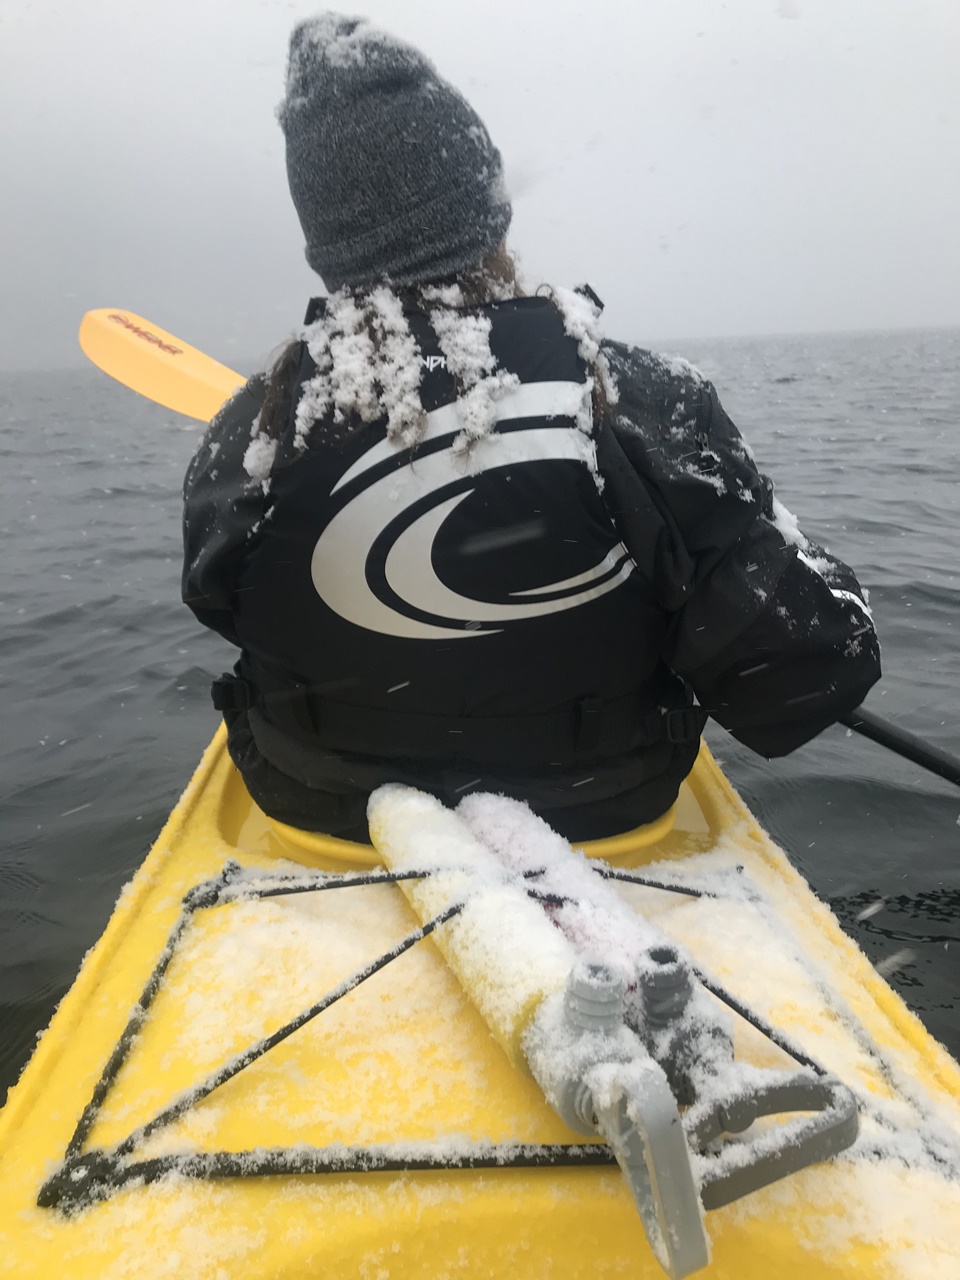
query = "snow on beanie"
x=392 y=173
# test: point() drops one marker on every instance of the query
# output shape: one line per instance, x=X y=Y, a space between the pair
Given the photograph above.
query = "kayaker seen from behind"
x=462 y=541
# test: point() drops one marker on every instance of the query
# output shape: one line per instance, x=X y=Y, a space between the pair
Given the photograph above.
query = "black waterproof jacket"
x=536 y=614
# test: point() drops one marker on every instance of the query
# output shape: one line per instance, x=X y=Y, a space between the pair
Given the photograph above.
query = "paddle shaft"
x=903 y=743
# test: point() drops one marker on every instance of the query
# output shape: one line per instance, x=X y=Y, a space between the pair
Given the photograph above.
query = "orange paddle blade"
x=156 y=364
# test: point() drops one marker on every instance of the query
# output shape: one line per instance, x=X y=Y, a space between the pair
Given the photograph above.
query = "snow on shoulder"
x=259 y=455
x=581 y=321
x=367 y=365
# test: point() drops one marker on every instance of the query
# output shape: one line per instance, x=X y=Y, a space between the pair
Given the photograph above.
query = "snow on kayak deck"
x=404 y=1062
x=907 y=1157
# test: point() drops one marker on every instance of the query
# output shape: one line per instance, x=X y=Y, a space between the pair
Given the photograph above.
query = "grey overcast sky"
x=747 y=167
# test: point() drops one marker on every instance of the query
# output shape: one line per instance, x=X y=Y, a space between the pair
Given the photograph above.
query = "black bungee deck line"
x=96 y=1176
x=85 y=1178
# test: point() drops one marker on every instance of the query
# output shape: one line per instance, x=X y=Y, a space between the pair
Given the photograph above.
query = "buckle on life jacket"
x=231 y=693
x=683 y=724
x=591 y=722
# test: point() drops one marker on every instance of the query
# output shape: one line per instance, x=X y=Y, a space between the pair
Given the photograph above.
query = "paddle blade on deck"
x=156 y=364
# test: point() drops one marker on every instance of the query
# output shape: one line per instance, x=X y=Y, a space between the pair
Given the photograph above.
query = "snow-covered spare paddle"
x=603 y=1010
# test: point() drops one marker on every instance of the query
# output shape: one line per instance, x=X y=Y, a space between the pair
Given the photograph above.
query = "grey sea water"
x=104 y=674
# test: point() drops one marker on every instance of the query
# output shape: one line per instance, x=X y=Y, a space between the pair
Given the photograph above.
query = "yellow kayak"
x=255 y=1076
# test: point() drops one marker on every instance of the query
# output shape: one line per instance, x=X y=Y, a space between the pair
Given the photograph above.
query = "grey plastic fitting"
x=665 y=985
x=593 y=999
x=599 y=1076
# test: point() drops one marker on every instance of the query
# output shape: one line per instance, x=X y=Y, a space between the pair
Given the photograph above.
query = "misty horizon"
x=771 y=167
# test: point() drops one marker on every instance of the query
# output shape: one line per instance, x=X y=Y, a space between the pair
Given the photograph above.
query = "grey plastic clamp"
x=732 y=1170
x=609 y=1083
x=643 y=1127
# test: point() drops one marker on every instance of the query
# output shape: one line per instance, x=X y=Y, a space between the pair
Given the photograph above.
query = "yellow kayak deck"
x=389 y=1135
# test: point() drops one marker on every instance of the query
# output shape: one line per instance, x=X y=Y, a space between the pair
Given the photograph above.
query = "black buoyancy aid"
x=438 y=605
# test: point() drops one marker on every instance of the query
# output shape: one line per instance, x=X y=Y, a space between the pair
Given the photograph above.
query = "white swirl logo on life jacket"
x=378 y=572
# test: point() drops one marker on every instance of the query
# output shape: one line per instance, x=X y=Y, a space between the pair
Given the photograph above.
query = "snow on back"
x=368 y=366
x=399 y=369
x=352 y=359
x=464 y=339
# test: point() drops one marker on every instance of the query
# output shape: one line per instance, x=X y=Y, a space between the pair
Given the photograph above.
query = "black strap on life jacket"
x=316 y=308
x=586 y=292
x=588 y=727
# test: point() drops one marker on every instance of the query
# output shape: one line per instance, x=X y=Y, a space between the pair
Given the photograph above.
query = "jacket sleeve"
x=222 y=507
x=772 y=633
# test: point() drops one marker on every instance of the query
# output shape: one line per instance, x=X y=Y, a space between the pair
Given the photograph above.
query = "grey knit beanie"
x=392 y=173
